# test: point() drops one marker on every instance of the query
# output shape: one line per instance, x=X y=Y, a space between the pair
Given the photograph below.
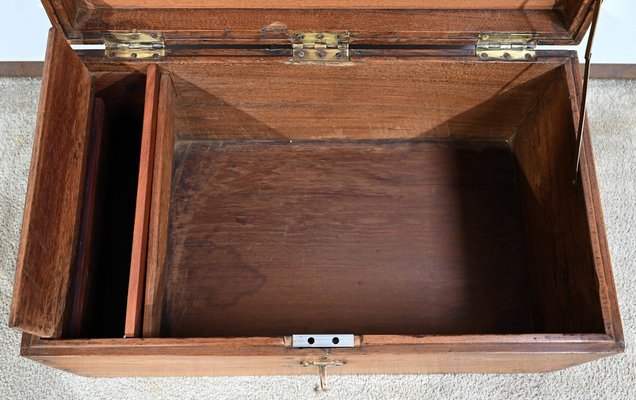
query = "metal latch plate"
x=323 y=341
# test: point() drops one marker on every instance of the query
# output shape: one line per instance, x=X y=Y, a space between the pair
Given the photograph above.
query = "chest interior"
x=389 y=196
x=261 y=169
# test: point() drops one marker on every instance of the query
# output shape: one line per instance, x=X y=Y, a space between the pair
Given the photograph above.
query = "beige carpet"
x=613 y=119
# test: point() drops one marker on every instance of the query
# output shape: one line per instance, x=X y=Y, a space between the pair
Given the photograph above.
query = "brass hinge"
x=320 y=47
x=507 y=47
x=134 y=45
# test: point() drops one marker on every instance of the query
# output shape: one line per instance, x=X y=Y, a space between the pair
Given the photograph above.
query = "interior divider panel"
x=137 y=278
x=159 y=206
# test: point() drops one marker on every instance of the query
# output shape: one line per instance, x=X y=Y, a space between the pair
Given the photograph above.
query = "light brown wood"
x=368 y=344
x=158 y=224
x=136 y=282
x=268 y=356
x=241 y=98
x=405 y=363
x=51 y=216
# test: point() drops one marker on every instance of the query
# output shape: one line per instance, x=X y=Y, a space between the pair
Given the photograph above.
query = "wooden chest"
x=395 y=182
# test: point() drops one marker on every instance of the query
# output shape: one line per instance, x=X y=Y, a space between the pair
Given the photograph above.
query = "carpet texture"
x=612 y=112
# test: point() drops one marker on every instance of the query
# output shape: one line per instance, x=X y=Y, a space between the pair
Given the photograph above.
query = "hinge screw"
x=320 y=36
x=133 y=55
x=321 y=54
x=301 y=54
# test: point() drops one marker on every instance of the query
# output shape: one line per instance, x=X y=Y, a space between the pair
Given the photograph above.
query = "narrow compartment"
x=99 y=285
x=385 y=197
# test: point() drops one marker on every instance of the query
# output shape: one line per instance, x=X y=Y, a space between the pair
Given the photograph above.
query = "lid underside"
x=370 y=22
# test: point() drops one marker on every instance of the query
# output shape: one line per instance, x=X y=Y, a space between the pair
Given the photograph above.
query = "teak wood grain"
x=377 y=22
x=134 y=308
x=279 y=238
x=239 y=98
x=432 y=95
x=545 y=147
x=268 y=356
x=596 y=227
x=51 y=215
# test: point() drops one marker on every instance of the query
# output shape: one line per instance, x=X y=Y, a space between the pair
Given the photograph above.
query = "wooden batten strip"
x=142 y=207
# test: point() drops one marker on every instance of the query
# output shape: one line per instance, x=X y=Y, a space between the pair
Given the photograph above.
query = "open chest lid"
x=373 y=22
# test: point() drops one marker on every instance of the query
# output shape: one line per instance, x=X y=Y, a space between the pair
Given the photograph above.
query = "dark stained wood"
x=80 y=284
x=137 y=278
x=362 y=237
x=400 y=98
x=562 y=265
x=159 y=208
x=50 y=227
